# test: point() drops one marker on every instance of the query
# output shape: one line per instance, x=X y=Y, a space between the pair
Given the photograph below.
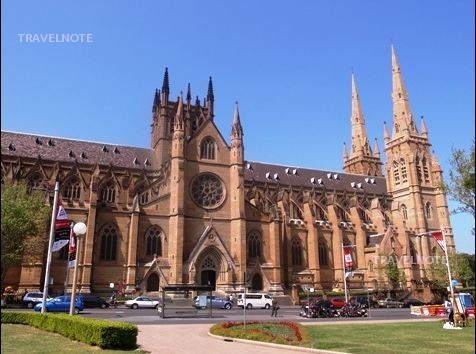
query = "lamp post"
x=79 y=230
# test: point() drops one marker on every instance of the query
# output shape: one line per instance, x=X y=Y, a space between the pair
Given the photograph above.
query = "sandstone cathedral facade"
x=190 y=209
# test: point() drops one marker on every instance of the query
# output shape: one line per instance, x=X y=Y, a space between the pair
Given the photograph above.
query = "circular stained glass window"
x=207 y=191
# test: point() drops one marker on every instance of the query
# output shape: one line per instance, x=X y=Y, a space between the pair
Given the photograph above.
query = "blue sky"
x=287 y=63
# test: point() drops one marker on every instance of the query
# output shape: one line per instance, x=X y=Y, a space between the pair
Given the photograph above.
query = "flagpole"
x=448 y=265
x=343 y=271
x=50 y=247
x=67 y=261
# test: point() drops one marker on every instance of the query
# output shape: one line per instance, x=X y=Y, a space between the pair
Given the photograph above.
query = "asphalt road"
x=180 y=315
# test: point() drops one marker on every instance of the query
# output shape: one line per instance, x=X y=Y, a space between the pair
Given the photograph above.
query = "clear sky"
x=288 y=64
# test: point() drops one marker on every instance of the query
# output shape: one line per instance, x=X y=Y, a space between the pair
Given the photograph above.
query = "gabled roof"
x=260 y=172
x=68 y=150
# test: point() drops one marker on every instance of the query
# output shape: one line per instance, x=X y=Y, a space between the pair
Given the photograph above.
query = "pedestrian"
x=275 y=307
x=230 y=298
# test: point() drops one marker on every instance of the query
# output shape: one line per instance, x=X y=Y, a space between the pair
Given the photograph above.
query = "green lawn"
x=421 y=338
x=25 y=339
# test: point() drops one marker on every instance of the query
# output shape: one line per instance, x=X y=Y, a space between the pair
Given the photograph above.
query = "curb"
x=274 y=345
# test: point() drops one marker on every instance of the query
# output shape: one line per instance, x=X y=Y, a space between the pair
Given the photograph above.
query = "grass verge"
x=26 y=339
x=423 y=337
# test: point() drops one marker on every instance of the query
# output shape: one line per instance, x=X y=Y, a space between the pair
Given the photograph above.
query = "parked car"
x=142 y=302
x=91 y=301
x=32 y=298
x=62 y=304
x=258 y=300
x=390 y=303
x=365 y=301
x=203 y=301
x=412 y=302
x=337 y=302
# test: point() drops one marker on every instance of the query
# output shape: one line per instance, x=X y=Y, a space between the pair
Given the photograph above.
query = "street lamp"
x=79 y=230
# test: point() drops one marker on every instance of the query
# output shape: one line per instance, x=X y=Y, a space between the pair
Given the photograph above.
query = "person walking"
x=275 y=307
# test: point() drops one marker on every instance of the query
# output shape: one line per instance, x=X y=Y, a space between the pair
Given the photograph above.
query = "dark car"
x=412 y=302
x=364 y=301
x=91 y=301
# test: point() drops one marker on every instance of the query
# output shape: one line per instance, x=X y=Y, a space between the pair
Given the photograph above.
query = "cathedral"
x=190 y=209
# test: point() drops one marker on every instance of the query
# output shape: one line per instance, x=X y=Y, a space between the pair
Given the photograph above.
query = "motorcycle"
x=112 y=302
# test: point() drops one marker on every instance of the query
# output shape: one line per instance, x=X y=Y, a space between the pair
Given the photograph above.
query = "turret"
x=210 y=99
x=165 y=88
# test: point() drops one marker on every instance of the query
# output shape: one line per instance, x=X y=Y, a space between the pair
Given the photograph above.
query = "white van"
x=254 y=300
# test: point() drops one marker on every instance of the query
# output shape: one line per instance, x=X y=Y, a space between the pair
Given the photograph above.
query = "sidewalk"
x=194 y=338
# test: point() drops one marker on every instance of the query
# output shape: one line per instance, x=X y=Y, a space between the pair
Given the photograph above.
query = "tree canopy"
x=24 y=222
x=462 y=180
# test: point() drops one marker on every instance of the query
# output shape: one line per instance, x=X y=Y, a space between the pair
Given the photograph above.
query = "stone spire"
x=424 y=130
x=210 y=99
x=179 y=118
x=345 y=155
x=403 y=123
x=156 y=104
x=376 y=149
x=189 y=94
x=165 y=87
x=236 y=129
x=359 y=134
x=386 y=135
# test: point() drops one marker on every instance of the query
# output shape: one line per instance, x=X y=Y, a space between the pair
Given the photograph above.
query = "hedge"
x=103 y=333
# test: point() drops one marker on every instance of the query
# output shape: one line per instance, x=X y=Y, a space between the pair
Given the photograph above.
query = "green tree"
x=462 y=180
x=460 y=267
x=24 y=222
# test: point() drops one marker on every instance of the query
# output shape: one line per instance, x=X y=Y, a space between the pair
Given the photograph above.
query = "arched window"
x=371 y=266
x=413 y=254
x=426 y=172
x=254 y=244
x=35 y=182
x=320 y=213
x=108 y=192
x=296 y=252
x=343 y=214
x=72 y=189
x=108 y=243
x=403 y=170
x=418 y=169
x=323 y=258
x=428 y=210
x=396 y=173
x=207 y=149
x=404 y=212
x=153 y=242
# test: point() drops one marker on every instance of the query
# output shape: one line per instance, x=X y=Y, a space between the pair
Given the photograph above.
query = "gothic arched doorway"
x=209 y=277
x=153 y=282
x=257 y=282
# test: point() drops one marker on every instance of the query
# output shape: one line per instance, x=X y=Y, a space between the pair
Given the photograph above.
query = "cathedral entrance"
x=153 y=282
x=257 y=282
x=209 y=277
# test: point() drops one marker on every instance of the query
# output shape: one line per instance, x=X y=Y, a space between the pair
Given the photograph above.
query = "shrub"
x=103 y=333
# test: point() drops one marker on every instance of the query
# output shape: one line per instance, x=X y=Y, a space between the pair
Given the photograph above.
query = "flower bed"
x=283 y=332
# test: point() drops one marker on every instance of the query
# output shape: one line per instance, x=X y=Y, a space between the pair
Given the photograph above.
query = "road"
x=192 y=316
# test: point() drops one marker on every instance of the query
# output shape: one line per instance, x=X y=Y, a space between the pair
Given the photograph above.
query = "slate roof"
x=297 y=176
x=68 y=150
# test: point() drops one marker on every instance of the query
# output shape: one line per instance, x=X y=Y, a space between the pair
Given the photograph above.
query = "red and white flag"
x=72 y=250
x=62 y=228
x=440 y=238
x=348 y=257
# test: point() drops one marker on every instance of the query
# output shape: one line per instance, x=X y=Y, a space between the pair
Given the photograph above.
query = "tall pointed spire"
x=156 y=104
x=179 y=115
x=189 y=94
x=402 y=114
x=165 y=88
x=359 y=134
x=376 y=149
x=345 y=155
x=386 y=135
x=236 y=129
x=424 y=130
x=210 y=99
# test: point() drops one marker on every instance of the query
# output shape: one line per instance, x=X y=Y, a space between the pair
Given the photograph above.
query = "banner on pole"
x=348 y=257
x=62 y=229
x=439 y=238
x=72 y=250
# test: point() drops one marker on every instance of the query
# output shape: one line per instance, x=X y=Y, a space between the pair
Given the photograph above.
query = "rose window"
x=207 y=191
